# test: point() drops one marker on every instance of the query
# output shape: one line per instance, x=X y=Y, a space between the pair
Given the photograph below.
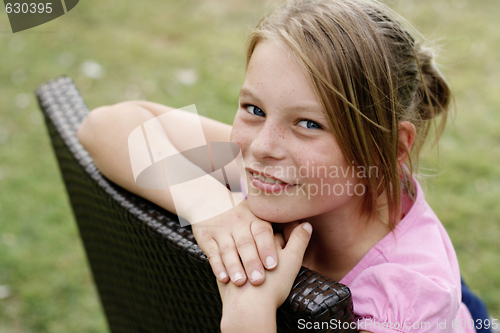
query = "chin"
x=272 y=212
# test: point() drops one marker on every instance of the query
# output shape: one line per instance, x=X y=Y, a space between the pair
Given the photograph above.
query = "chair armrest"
x=318 y=303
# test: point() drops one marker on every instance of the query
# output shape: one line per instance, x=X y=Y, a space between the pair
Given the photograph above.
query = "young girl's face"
x=284 y=134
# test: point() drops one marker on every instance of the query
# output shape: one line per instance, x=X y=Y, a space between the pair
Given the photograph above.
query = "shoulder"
x=391 y=293
x=419 y=244
x=411 y=276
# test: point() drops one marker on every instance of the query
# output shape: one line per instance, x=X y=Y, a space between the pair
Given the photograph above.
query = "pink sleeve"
x=393 y=298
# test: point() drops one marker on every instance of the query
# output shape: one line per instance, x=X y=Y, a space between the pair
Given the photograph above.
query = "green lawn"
x=184 y=52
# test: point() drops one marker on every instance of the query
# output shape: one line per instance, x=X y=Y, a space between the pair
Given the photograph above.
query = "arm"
x=104 y=134
x=255 y=318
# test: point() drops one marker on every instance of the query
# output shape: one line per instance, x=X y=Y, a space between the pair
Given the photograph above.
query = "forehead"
x=275 y=76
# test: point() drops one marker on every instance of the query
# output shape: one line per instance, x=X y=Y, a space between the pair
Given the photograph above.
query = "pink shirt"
x=410 y=280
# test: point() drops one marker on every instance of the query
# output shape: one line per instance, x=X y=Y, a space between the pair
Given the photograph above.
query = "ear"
x=407 y=134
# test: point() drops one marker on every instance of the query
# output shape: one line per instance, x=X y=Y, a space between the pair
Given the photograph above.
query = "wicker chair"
x=149 y=271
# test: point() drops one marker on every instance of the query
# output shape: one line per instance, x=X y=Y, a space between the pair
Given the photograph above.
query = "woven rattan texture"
x=150 y=274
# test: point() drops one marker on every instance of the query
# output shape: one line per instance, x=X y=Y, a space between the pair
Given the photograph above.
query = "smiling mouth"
x=268 y=180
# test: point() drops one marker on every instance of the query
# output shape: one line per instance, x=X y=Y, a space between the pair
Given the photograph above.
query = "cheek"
x=328 y=169
x=240 y=135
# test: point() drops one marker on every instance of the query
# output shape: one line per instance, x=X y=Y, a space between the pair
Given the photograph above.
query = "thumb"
x=299 y=239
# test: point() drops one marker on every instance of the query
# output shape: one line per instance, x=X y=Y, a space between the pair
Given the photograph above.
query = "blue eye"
x=254 y=110
x=310 y=124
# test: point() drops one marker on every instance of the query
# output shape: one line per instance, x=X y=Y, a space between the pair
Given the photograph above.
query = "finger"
x=264 y=239
x=247 y=250
x=212 y=252
x=299 y=239
x=231 y=260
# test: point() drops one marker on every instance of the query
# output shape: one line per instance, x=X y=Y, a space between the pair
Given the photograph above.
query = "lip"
x=266 y=175
x=263 y=186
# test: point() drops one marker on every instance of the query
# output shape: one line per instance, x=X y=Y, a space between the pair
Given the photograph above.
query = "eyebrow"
x=244 y=92
x=318 y=111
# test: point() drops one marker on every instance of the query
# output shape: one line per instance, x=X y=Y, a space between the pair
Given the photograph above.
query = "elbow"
x=87 y=129
x=82 y=132
x=107 y=127
x=94 y=125
x=92 y=130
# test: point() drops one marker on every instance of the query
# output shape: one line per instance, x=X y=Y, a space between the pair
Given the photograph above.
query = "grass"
x=144 y=49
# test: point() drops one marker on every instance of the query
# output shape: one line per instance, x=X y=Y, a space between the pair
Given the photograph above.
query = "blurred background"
x=184 y=52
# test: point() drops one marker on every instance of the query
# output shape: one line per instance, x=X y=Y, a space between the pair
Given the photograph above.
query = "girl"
x=335 y=107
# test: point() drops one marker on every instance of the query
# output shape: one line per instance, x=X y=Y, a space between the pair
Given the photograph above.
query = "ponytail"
x=432 y=96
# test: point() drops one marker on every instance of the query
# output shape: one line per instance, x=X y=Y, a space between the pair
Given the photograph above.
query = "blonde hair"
x=369 y=75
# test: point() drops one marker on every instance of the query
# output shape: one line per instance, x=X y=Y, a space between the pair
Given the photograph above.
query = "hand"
x=253 y=308
x=236 y=234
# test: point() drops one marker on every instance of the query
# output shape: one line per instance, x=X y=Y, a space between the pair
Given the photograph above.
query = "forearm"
x=186 y=122
x=105 y=133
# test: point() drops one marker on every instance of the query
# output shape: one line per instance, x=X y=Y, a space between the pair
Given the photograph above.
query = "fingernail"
x=256 y=275
x=307 y=227
x=270 y=262
x=237 y=277
x=222 y=276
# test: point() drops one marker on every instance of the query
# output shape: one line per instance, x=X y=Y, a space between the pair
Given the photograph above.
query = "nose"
x=269 y=143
